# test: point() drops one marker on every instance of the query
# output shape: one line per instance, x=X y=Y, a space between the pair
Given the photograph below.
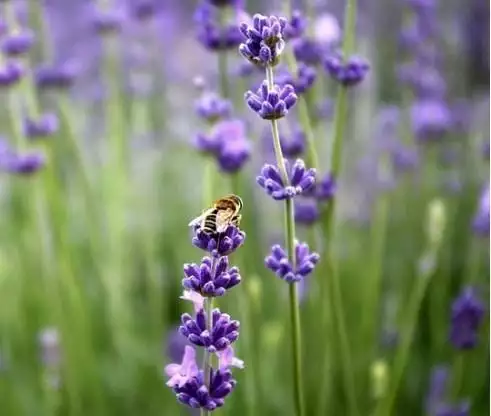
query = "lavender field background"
x=122 y=120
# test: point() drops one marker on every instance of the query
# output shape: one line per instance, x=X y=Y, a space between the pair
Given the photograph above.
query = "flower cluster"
x=271 y=103
x=19 y=163
x=302 y=81
x=44 y=126
x=348 y=72
x=208 y=328
x=264 y=40
x=467 y=316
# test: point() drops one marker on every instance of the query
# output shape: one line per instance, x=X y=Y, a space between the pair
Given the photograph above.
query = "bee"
x=224 y=212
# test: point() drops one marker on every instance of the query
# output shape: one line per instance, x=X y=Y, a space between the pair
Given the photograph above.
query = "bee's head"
x=229 y=201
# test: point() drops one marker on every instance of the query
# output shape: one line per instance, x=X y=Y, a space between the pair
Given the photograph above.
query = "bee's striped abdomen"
x=210 y=222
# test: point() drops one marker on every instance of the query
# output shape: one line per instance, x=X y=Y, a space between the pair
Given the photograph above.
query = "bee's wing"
x=223 y=219
x=198 y=220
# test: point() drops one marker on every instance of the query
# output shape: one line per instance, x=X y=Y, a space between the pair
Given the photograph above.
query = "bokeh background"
x=100 y=174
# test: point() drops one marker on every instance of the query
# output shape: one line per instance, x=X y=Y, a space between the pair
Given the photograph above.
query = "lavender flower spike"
x=194 y=393
x=46 y=125
x=278 y=262
x=10 y=73
x=301 y=179
x=348 y=73
x=208 y=282
x=264 y=40
x=18 y=43
x=271 y=104
x=467 y=316
x=180 y=373
x=221 y=244
x=224 y=331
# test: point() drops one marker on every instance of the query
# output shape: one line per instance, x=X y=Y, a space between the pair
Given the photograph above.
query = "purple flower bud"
x=46 y=125
x=308 y=51
x=296 y=26
x=264 y=41
x=10 y=73
x=348 y=72
x=305 y=78
x=17 y=43
x=24 y=164
x=271 y=104
x=431 y=119
x=195 y=394
x=306 y=212
x=211 y=107
x=143 y=9
x=325 y=189
x=202 y=279
x=278 y=262
x=224 y=331
x=467 y=315
x=300 y=178
x=221 y=244
x=54 y=77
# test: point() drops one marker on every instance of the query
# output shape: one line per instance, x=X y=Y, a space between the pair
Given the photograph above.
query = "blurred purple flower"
x=303 y=81
x=300 y=179
x=466 y=318
x=194 y=393
x=209 y=281
x=431 y=119
x=404 y=158
x=480 y=223
x=305 y=262
x=107 y=21
x=295 y=26
x=46 y=125
x=174 y=344
x=143 y=9
x=308 y=51
x=264 y=41
x=54 y=77
x=459 y=409
x=425 y=81
x=17 y=44
x=224 y=331
x=211 y=107
x=325 y=188
x=10 y=73
x=271 y=104
x=221 y=244
x=348 y=72
x=20 y=163
x=306 y=211
x=437 y=389
x=292 y=145
x=325 y=109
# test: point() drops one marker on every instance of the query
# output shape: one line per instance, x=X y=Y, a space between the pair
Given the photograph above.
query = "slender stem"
x=290 y=244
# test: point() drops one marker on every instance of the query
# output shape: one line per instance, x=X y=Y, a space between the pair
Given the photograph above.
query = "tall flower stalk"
x=263 y=46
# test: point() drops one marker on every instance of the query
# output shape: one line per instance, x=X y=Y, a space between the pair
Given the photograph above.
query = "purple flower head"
x=224 y=331
x=325 y=109
x=271 y=104
x=300 y=178
x=425 y=81
x=18 y=43
x=54 y=77
x=459 y=409
x=24 y=163
x=308 y=51
x=306 y=212
x=10 y=73
x=213 y=34
x=46 y=125
x=194 y=393
x=305 y=261
x=305 y=78
x=348 y=72
x=107 y=21
x=221 y=244
x=437 y=389
x=234 y=149
x=467 y=315
x=296 y=26
x=180 y=373
x=227 y=359
x=292 y=145
x=326 y=188
x=430 y=119
x=264 y=40
x=211 y=107
x=210 y=282
x=480 y=223
x=404 y=158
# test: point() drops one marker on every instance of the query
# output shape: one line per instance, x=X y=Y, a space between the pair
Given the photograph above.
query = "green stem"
x=290 y=244
x=207 y=356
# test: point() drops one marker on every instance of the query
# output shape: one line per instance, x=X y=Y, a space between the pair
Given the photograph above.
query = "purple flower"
x=305 y=78
x=18 y=43
x=300 y=178
x=325 y=109
x=174 y=345
x=233 y=154
x=404 y=158
x=227 y=359
x=10 y=73
x=437 y=389
x=271 y=104
x=143 y=9
x=308 y=51
x=305 y=261
x=467 y=315
x=296 y=26
x=460 y=409
x=194 y=393
x=23 y=163
x=194 y=297
x=180 y=373
x=219 y=245
x=348 y=72
x=44 y=126
x=209 y=281
x=264 y=40
x=211 y=107
x=54 y=77
x=306 y=212
x=480 y=222
x=107 y=21
x=224 y=331
x=326 y=188
x=425 y=81
x=431 y=119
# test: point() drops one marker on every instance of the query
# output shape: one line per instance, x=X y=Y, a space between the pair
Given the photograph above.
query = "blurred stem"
x=208 y=182
x=290 y=244
x=223 y=58
x=458 y=368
